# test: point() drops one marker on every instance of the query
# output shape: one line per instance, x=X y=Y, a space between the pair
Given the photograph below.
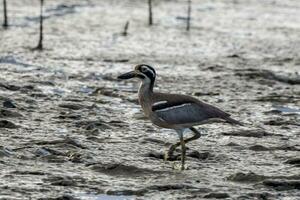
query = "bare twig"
x=150 y=12
x=126 y=29
x=5 y=23
x=188 y=25
x=40 y=44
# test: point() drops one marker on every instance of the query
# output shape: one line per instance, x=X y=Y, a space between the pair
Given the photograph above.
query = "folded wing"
x=187 y=112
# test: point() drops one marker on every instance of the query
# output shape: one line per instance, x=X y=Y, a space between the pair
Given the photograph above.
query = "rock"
x=216 y=196
x=8 y=104
x=248 y=133
x=283 y=184
x=7 y=124
x=246 y=177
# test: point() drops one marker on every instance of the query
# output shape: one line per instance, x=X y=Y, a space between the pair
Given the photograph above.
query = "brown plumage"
x=174 y=111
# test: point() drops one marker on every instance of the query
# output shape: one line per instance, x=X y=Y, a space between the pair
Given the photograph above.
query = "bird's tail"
x=233 y=121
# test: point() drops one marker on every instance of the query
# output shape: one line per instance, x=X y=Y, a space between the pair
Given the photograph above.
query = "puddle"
x=284 y=109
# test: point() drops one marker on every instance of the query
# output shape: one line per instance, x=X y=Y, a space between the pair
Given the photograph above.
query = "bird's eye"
x=144 y=69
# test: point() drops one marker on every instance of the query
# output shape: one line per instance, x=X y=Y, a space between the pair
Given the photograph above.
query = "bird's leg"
x=183 y=151
x=172 y=148
x=195 y=137
x=169 y=153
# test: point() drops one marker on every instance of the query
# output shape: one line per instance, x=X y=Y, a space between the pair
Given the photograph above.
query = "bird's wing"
x=185 y=112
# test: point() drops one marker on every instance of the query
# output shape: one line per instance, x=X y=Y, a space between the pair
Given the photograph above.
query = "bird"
x=174 y=111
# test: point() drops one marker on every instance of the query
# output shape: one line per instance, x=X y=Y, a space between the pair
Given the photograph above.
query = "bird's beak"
x=128 y=75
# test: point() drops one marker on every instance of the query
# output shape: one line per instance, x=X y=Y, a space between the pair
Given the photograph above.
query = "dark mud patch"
x=119 y=169
x=90 y=125
x=282 y=184
x=177 y=156
x=259 y=147
x=35 y=173
x=72 y=106
x=156 y=188
x=282 y=122
x=8 y=124
x=293 y=161
x=65 y=181
x=8 y=104
x=59 y=11
x=248 y=133
x=251 y=73
x=9 y=113
x=65 y=141
x=216 y=195
x=62 y=197
x=246 y=177
x=281 y=98
x=257 y=196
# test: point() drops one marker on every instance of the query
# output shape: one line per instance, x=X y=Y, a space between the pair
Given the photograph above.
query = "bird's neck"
x=145 y=95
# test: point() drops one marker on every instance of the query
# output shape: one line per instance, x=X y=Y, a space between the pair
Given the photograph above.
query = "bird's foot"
x=170 y=156
x=179 y=167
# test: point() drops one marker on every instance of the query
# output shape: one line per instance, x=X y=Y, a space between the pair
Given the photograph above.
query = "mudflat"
x=70 y=130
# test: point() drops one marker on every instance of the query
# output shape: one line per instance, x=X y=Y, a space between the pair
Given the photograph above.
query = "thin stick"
x=5 y=23
x=125 y=29
x=40 y=45
x=150 y=12
x=188 y=25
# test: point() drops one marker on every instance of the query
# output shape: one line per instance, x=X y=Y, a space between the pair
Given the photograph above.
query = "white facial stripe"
x=146 y=68
x=150 y=70
x=173 y=107
x=159 y=102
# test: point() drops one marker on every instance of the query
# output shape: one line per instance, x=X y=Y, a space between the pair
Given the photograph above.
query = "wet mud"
x=70 y=130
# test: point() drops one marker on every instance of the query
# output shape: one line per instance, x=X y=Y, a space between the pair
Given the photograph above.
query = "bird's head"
x=144 y=72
